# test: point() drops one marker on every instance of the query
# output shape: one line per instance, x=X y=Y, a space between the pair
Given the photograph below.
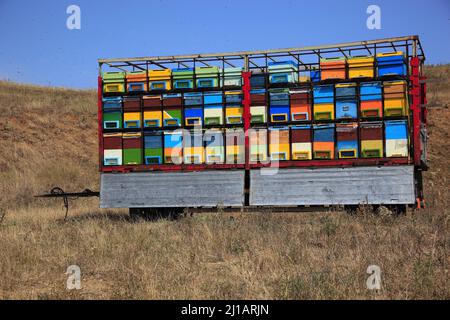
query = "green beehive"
x=112 y=120
x=113 y=76
x=132 y=156
x=183 y=78
x=207 y=77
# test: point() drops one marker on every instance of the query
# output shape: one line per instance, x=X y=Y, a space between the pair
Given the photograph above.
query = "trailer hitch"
x=57 y=192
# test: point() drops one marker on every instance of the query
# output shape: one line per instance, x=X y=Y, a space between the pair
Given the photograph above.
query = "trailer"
x=345 y=143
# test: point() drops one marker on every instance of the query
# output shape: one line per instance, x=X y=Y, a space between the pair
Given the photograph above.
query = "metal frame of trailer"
x=308 y=59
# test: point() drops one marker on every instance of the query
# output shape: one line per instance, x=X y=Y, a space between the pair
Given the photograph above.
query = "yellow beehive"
x=324 y=111
x=233 y=114
x=160 y=79
x=301 y=151
x=395 y=98
x=132 y=119
x=152 y=118
x=114 y=87
x=362 y=66
x=372 y=148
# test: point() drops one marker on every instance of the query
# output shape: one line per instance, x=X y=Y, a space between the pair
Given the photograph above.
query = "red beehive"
x=112 y=141
x=131 y=103
x=371 y=130
x=151 y=101
x=301 y=135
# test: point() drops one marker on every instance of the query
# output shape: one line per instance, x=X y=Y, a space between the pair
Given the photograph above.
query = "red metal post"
x=100 y=124
x=246 y=103
x=415 y=108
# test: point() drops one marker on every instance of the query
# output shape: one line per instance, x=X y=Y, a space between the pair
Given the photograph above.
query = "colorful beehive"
x=323 y=102
x=112 y=119
x=258 y=144
x=258 y=79
x=300 y=100
x=279 y=109
x=183 y=78
x=233 y=97
x=235 y=146
x=193 y=109
x=193 y=151
x=173 y=147
x=193 y=115
x=213 y=108
x=132 y=148
x=137 y=81
x=131 y=119
x=333 y=68
x=153 y=147
x=258 y=97
x=347 y=140
x=395 y=98
x=346 y=101
x=151 y=101
x=393 y=63
x=371 y=139
x=214 y=147
x=131 y=104
x=152 y=118
x=301 y=142
x=160 y=79
x=172 y=109
x=207 y=77
x=323 y=141
x=113 y=82
x=279 y=144
x=283 y=72
x=112 y=103
x=396 y=138
x=231 y=77
x=112 y=149
x=371 y=99
x=258 y=114
x=361 y=67
x=233 y=114
x=193 y=99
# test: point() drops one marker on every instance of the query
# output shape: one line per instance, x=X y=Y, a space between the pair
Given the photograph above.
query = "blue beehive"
x=173 y=139
x=212 y=97
x=193 y=115
x=346 y=102
x=153 y=147
x=279 y=110
x=324 y=94
x=396 y=129
x=346 y=108
x=344 y=146
x=112 y=103
x=258 y=79
x=193 y=99
x=283 y=72
x=279 y=97
x=324 y=133
x=391 y=64
x=370 y=91
x=233 y=97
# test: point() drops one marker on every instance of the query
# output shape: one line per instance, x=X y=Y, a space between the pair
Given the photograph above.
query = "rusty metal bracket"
x=57 y=192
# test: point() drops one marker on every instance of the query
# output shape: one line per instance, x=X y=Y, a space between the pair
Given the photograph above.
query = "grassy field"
x=48 y=137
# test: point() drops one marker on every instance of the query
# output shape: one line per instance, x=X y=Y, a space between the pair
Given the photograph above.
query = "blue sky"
x=38 y=48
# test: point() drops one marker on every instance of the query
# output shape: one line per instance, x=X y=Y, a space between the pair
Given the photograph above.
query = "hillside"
x=49 y=137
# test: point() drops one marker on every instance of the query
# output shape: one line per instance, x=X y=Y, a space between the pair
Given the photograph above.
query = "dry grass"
x=226 y=255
